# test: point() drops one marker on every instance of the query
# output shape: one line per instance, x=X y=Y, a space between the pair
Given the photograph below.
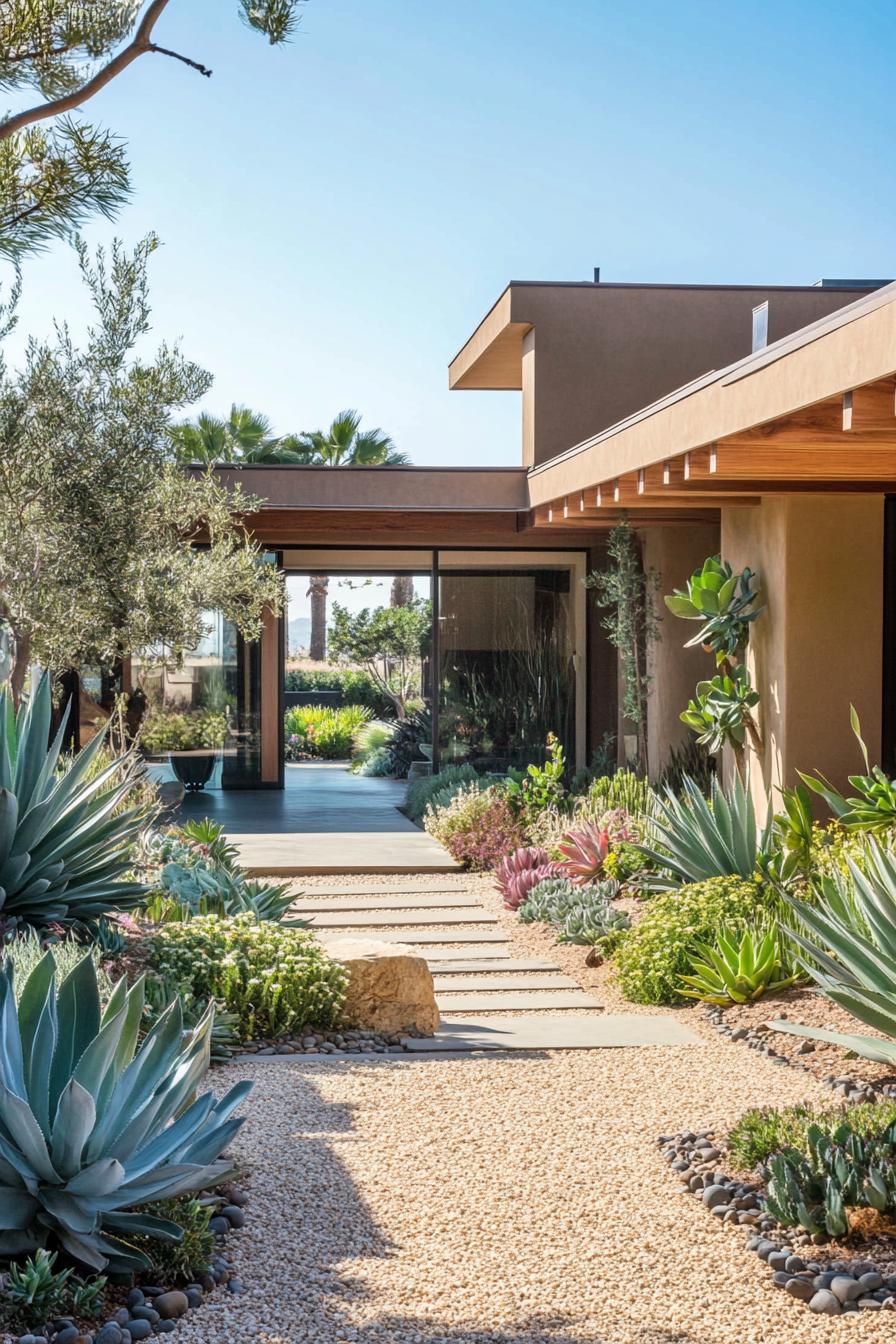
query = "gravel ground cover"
x=511 y=1200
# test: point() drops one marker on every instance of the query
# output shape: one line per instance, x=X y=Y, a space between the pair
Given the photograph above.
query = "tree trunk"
x=20 y=667
x=402 y=590
x=318 y=585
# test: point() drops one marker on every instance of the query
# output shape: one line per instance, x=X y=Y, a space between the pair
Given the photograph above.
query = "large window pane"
x=507 y=665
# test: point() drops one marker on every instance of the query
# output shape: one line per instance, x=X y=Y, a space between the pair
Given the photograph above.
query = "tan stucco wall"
x=818 y=646
x=674 y=552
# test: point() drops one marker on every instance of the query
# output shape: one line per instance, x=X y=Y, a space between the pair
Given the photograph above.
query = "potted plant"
x=191 y=739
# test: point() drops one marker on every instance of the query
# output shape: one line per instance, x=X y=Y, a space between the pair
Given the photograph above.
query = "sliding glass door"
x=508 y=667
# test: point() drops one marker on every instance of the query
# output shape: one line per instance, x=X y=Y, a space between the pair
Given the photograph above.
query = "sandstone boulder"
x=390 y=986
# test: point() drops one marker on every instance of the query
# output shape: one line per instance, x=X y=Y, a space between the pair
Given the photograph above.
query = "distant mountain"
x=299 y=634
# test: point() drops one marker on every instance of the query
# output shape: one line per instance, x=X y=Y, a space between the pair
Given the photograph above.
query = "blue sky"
x=338 y=215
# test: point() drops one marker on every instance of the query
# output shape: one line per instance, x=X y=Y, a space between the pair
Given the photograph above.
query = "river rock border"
x=152 y=1309
x=839 y=1288
x=312 y=1041
x=759 y=1038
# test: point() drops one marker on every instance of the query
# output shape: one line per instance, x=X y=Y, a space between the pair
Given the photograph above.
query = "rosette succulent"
x=94 y=1128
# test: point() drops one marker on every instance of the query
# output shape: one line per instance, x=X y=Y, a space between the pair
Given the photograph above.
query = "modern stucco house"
x=754 y=421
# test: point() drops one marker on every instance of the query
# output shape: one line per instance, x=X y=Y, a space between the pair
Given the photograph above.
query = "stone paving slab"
x=373 y=919
x=544 y=980
x=412 y=901
x=569 y=1031
x=434 y=937
x=475 y=956
x=501 y=1002
x=393 y=889
x=468 y=965
x=293 y=854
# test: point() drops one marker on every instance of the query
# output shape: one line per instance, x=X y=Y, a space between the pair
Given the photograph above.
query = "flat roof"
x=421 y=489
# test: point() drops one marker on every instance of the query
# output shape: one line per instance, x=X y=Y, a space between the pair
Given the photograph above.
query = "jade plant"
x=97 y=1126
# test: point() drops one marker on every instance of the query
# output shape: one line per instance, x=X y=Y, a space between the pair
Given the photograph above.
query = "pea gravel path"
x=512 y=1199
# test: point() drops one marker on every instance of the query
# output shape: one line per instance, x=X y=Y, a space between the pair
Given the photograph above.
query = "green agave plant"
x=94 y=1128
x=875 y=807
x=741 y=966
x=848 y=945
x=693 y=839
x=64 y=842
x=723 y=601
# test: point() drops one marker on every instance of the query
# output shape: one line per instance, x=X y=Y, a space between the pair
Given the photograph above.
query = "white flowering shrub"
x=274 y=979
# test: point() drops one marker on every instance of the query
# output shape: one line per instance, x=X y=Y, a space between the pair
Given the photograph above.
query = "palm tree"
x=344 y=444
x=245 y=436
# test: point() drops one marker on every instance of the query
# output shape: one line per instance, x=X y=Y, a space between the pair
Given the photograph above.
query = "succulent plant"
x=64 y=838
x=584 y=851
x=692 y=839
x=740 y=966
x=549 y=900
x=841 y=1171
x=205 y=888
x=848 y=946
x=521 y=871
x=724 y=603
x=721 y=710
x=94 y=1128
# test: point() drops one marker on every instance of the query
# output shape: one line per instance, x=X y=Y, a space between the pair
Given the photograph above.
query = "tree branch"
x=194 y=65
x=142 y=42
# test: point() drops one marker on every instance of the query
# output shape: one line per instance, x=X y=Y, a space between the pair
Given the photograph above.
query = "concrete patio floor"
x=325 y=820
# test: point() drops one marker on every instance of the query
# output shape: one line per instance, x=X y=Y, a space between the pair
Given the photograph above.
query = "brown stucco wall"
x=599 y=353
x=673 y=553
x=818 y=646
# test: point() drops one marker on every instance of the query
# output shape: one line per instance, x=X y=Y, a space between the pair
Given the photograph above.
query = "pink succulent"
x=519 y=872
x=585 y=851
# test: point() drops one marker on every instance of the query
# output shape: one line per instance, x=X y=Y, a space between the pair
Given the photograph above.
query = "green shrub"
x=657 y=951
x=438 y=790
x=328 y=734
x=272 y=978
x=95 y=1127
x=763 y=1131
x=66 y=837
x=371 y=744
x=168 y=730
x=481 y=835
x=355 y=686
x=181 y=1261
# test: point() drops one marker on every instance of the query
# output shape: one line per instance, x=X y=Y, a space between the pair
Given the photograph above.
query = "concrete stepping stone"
x=466 y=964
x=412 y=901
x=466 y=984
x=393 y=889
x=570 y=1031
x=515 y=1002
x=425 y=937
x=473 y=957
x=401 y=919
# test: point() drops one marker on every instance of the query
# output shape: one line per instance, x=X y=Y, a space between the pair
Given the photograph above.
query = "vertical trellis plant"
x=632 y=625
x=725 y=603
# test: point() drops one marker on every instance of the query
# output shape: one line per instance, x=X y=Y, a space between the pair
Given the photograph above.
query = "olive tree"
x=107 y=547
x=388 y=642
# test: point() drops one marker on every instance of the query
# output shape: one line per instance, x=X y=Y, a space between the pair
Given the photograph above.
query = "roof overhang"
x=382 y=489
x=816 y=410
x=492 y=359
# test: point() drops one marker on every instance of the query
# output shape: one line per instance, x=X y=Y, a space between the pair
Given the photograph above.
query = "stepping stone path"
x=473 y=973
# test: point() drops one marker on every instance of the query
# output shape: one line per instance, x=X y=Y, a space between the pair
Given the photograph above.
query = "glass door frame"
x=391 y=560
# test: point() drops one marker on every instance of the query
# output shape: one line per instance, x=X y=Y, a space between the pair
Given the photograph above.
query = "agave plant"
x=842 y=1171
x=64 y=840
x=741 y=966
x=874 y=809
x=584 y=851
x=520 y=872
x=692 y=839
x=848 y=945
x=94 y=1128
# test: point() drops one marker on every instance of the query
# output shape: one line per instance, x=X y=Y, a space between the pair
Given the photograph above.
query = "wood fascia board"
x=492 y=357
